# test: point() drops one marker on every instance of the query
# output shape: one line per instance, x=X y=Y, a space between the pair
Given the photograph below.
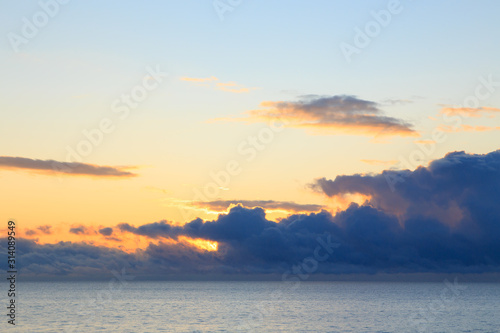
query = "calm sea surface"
x=254 y=307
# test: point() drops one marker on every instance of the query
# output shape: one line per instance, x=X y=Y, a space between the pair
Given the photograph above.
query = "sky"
x=234 y=137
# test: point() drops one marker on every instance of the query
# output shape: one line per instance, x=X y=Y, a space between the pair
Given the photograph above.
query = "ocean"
x=135 y=306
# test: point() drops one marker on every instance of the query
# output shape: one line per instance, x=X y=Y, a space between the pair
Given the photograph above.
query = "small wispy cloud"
x=55 y=167
x=232 y=87
x=44 y=229
x=467 y=128
x=397 y=101
x=339 y=114
x=82 y=230
x=222 y=205
x=470 y=112
x=106 y=231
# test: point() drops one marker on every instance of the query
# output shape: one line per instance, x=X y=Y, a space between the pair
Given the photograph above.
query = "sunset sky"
x=124 y=122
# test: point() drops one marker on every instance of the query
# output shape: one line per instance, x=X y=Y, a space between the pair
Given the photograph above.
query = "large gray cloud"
x=447 y=220
x=459 y=190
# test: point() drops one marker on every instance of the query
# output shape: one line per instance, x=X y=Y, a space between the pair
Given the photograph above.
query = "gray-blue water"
x=254 y=307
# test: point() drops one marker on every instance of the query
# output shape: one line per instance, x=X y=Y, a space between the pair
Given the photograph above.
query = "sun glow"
x=123 y=241
x=202 y=244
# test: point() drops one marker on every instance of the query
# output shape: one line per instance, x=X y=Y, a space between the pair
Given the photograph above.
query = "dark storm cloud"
x=67 y=260
x=440 y=218
x=444 y=218
x=460 y=189
x=55 y=167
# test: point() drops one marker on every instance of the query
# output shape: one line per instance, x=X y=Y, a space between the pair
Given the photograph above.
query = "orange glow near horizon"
x=123 y=241
x=130 y=243
x=342 y=202
x=200 y=243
